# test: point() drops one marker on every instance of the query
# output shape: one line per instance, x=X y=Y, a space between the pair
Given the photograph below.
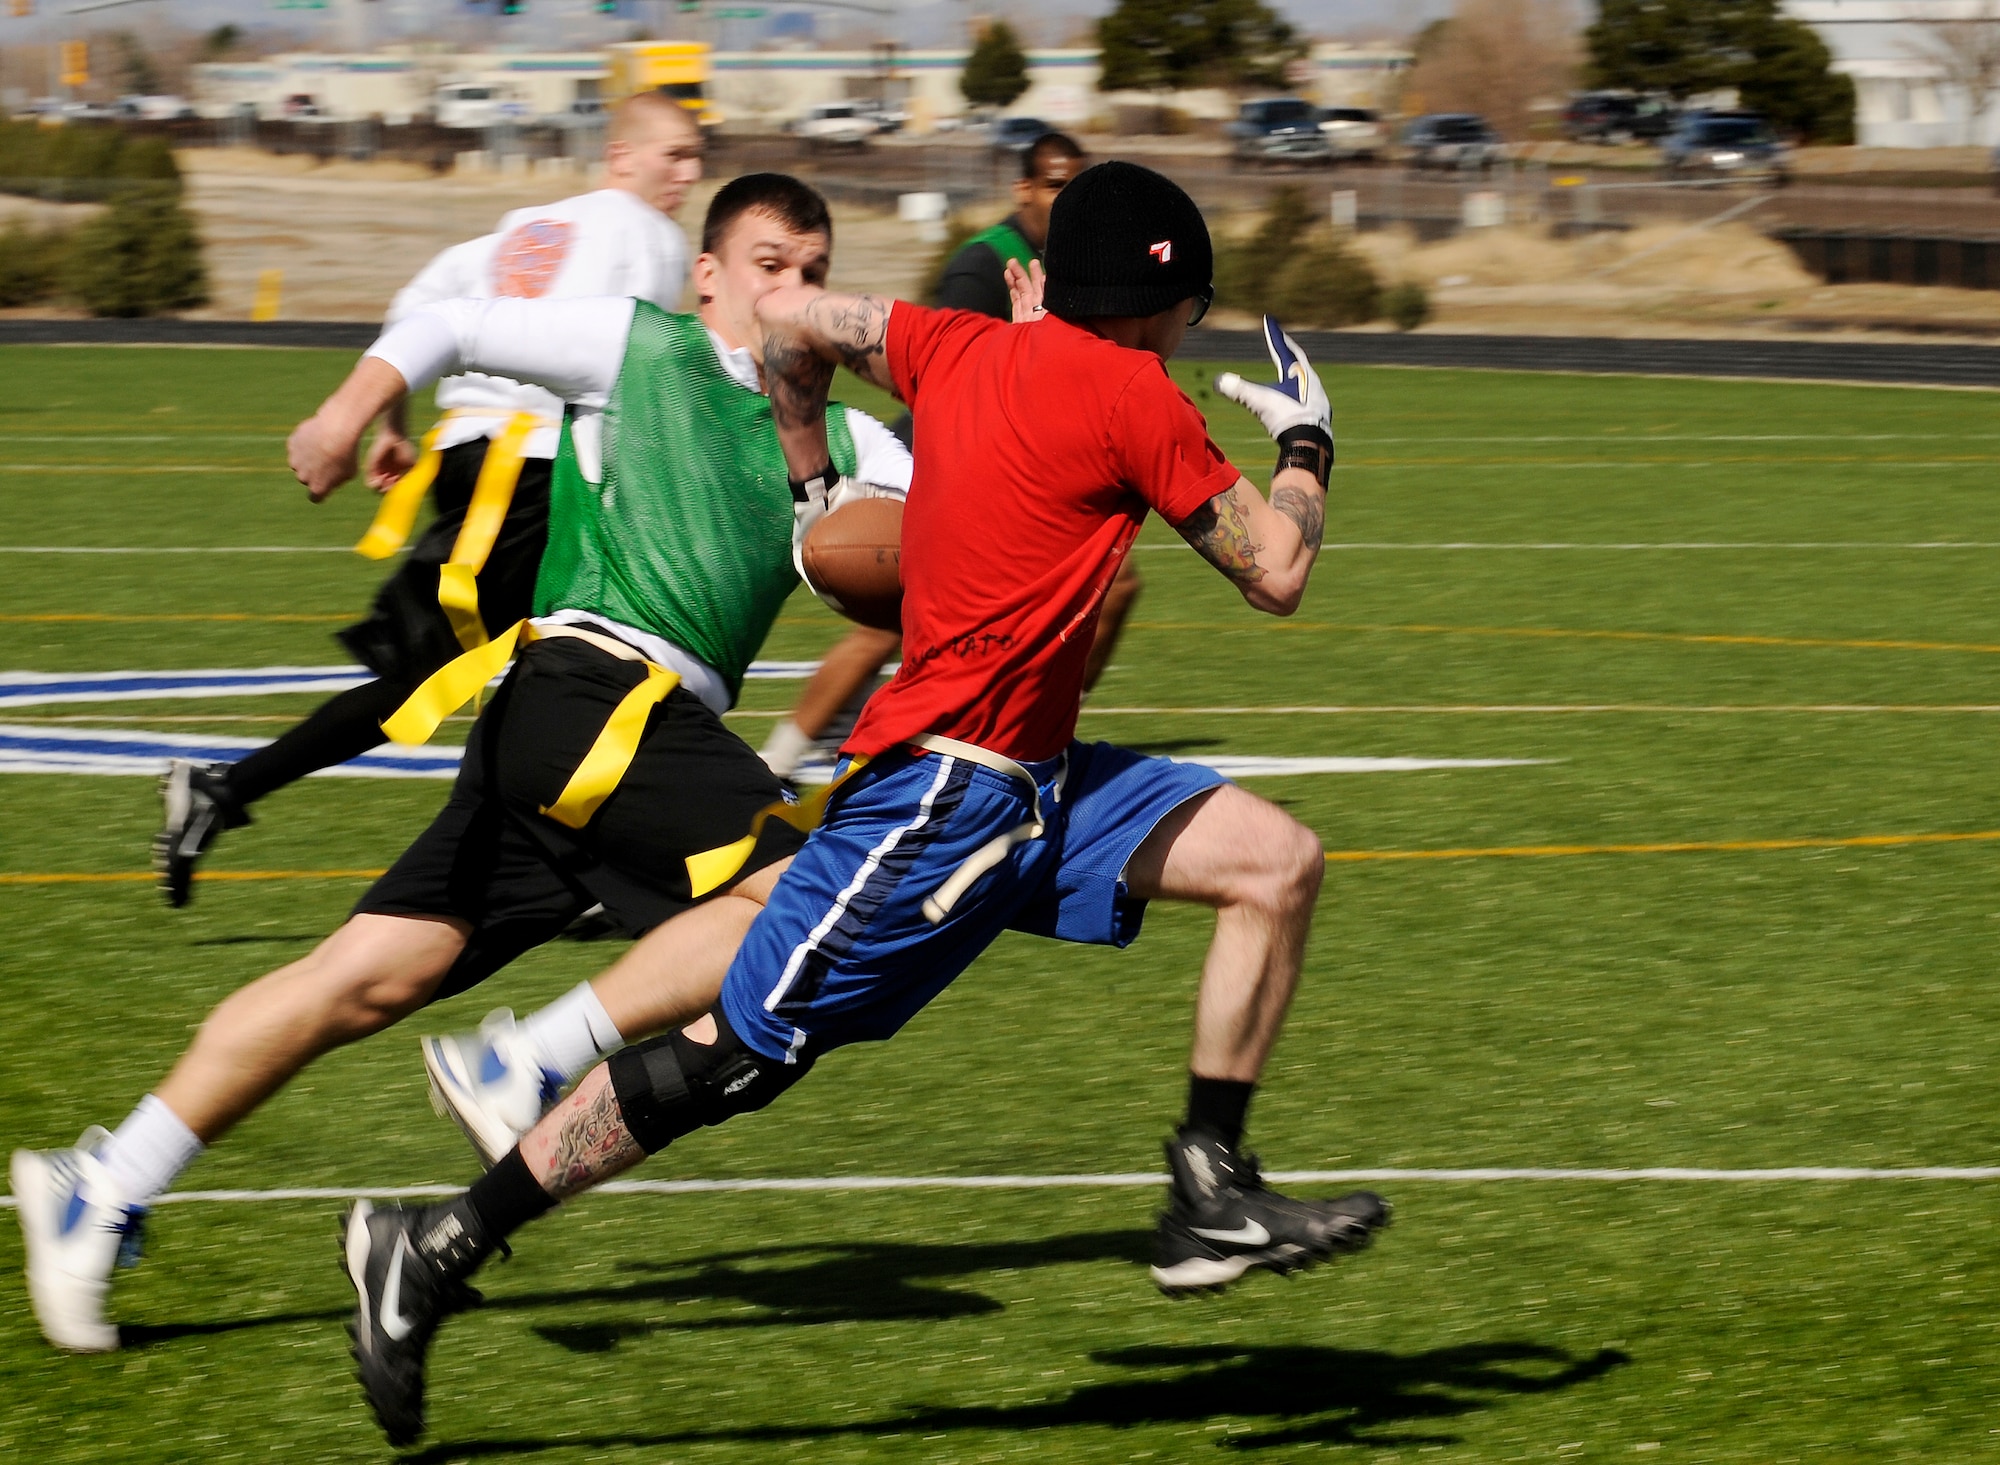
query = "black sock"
x=342 y=727
x=470 y=1229
x=508 y=1196
x=1218 y=1105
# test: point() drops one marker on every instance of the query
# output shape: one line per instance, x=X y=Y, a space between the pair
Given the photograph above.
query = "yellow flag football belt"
x=492 y=494
x=603 y=766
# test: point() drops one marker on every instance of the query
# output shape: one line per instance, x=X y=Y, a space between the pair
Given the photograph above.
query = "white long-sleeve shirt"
x=575 y=349
x=606 y=243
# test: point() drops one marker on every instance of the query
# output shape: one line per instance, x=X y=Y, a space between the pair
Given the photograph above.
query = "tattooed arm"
x=807 y=332
x=1265 y=549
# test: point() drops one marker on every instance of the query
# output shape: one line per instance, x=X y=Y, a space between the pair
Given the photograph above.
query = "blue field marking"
x=25 y=748
x=29 y=748
x=34 y=688
x=37 y=688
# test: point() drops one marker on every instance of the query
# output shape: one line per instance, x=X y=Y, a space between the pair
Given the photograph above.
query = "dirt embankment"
x=348 y=235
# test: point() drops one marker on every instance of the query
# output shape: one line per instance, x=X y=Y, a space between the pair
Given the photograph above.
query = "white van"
x=473 y=104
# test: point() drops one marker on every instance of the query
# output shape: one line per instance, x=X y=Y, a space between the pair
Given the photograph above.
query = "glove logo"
x=1164 y=251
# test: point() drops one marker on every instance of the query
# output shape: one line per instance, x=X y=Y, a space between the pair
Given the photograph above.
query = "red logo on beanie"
x=1164 y=250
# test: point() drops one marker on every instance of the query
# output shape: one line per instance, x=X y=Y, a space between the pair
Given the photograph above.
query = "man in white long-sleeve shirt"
x=473 y=568
x=601 y=771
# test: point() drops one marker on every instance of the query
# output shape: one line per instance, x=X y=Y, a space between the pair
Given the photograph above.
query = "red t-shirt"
x=1039 y=449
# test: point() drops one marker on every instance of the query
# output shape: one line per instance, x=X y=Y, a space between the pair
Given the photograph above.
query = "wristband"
x=1309 y=447
x=814 y=487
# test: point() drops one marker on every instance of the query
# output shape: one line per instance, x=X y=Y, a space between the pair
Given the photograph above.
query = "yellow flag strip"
x=492 y=495
x=398 y=513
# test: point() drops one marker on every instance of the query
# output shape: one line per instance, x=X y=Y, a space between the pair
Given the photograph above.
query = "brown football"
x=853 y=561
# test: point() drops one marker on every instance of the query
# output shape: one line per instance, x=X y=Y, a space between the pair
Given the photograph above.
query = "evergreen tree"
x=997 y=70
x=1162 y=45
x=1777 y=65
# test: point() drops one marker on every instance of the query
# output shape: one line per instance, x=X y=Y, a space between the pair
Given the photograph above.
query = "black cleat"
x=1221 y=1220
x=401 y=1296
x=199 y=807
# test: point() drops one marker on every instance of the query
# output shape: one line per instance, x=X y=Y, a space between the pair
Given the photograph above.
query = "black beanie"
x=1124 y=241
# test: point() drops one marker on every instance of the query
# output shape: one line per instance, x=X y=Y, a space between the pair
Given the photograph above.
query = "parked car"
x=835 y=125
x=1451 y=140
x=471 y=104
x=888 y=117
x=299 y=106
x=1278 y=130
x=1353 y=134
x=1016 y=134
x=153 y=109
x=1617 y=117
x=1724 y=145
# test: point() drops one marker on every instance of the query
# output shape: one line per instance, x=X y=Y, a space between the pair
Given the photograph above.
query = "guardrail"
x=1916 y=365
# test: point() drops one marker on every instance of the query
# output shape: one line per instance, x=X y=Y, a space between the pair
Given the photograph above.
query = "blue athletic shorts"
x=844 y=953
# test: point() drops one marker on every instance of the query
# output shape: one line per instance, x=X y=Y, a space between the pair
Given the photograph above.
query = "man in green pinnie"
x=600 y=774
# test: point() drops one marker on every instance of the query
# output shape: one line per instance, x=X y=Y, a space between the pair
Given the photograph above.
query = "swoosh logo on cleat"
x=1250 y=1233
x=393 y=1322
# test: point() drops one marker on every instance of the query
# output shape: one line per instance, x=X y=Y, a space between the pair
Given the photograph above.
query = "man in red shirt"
x=968 y=808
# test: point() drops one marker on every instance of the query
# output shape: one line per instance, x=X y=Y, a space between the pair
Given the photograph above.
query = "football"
x=853 y=561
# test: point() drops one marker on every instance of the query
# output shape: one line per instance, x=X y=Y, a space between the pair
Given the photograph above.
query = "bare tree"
x=1965 y=48
x=1497 y=58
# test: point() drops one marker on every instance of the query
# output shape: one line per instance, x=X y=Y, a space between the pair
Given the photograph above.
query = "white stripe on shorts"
x=868 y=867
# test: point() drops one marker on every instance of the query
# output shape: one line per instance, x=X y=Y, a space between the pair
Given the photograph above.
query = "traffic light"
x=513 y=7
x=604 y=7
x=76 y=63
x=23 y=7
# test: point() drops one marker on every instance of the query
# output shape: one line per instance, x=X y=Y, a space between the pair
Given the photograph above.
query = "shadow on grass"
x=1264 y=1397
x=796 y=1285
x=1167 y=747
x=255 y=940
x=146 y=1335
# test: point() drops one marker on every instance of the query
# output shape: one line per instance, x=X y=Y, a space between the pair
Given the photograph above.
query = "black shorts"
x=407 y=636
x=517 y=877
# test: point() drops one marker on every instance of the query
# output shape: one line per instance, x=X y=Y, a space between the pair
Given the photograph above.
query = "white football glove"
x=820 y=500
x=1296 y=400
x=853 y=490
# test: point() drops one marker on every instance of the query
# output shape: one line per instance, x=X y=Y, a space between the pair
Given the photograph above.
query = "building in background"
x=1897 y=51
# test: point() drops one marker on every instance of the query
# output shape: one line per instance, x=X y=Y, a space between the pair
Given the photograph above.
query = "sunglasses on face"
x=1201 y=304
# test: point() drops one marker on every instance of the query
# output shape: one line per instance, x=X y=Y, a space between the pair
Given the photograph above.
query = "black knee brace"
x=671 y=1086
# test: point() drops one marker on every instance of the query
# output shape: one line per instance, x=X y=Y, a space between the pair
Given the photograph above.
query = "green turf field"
x=1745 y=645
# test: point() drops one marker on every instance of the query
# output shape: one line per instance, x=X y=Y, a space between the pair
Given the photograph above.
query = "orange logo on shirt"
x=529 y=258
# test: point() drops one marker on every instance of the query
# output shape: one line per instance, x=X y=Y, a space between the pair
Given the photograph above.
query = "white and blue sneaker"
x=78 y=1229
x=492 y=1084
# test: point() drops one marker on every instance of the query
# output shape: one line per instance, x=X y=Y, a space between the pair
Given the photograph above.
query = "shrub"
x=141 y=256
x=1296 y=268
x=31 y=262
x=80 y=161
x=1407 y=305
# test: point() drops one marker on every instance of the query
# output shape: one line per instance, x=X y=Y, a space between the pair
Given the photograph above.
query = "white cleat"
x=77 y=1229
x=491 y=1084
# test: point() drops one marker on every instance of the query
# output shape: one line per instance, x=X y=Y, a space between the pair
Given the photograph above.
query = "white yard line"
x=1662 y=544
x=115 y=468
x=1534 y=709
x=1813 y=1174
x=1355 y=546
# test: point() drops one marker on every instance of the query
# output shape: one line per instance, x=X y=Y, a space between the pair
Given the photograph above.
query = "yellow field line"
x=100 y=618
x=1675 y=847
x=123 y=877
x=1340 y=857
x=1564 y=633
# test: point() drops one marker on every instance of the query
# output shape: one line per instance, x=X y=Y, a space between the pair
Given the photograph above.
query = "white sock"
x=785 y=748
x=573 y=1033
x=148 y=1150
